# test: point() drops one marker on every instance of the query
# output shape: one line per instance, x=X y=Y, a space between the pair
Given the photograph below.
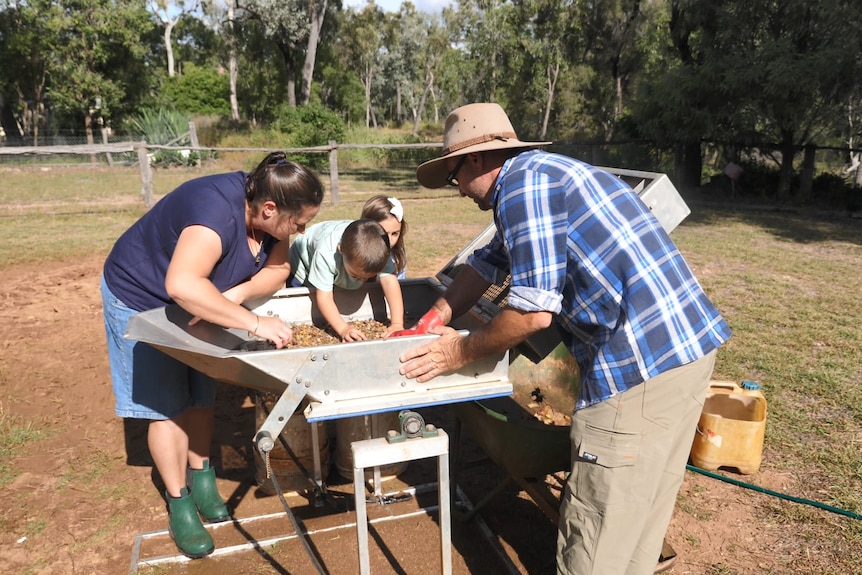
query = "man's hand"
x=426 y=323
x=441 y=355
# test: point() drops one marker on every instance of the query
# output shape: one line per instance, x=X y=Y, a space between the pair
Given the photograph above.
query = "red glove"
x=426 y=323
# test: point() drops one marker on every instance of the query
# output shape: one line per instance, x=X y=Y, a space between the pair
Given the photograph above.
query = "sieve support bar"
x=274 y=424
x=291 y=397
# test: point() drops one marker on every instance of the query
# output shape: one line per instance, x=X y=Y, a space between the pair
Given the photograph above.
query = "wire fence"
x=393 y=165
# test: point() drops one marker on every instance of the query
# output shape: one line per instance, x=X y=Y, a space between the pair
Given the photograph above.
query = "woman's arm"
x=268 y=280
x=187 y=282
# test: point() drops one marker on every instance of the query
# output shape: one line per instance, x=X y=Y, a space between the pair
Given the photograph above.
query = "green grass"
x=15 y=434
x=53 y=214
x=787 y=283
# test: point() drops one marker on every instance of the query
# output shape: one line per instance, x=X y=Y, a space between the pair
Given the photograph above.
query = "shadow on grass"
x=795 y=225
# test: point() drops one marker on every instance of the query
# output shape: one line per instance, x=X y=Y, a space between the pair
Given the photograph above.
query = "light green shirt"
x=316 y=262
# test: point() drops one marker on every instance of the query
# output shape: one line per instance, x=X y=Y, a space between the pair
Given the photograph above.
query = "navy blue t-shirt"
x=138 y=263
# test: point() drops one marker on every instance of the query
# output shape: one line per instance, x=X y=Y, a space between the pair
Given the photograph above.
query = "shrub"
x=830 y=189
x=165 y=127
x=306 y=126
x=199 y=90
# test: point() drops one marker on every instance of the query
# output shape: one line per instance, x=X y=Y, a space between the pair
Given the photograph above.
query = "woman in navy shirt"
x=208 y=246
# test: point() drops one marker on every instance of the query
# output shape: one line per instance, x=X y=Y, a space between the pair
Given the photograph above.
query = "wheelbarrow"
x=510 y=434
x=528 y=449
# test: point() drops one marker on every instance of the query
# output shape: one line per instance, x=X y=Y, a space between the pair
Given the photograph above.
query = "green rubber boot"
x=202 y=484
x=186 y=528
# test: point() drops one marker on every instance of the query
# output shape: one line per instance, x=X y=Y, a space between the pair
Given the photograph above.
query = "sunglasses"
x=452 y=178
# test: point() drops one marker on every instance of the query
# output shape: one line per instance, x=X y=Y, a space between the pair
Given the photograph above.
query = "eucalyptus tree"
x=337 y=83
x=98 y=59
x=363 y=49
x=410 y=59
x=548 y=29
x=488 y=37
x=612 y=33
x=792 y=69
x=295 y=26
x=454 y=77
x=27 y=41
x=752 y=72
x=233 y=69
x=396 y=60
x=201 y=38
x=431 y=55
x=169 y=13
x=211 y=40
x=681 y=98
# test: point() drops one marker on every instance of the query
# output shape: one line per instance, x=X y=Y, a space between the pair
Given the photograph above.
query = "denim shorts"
x=147 y=383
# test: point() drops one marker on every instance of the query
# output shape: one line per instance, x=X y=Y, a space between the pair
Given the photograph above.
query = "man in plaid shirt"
x=583 y=252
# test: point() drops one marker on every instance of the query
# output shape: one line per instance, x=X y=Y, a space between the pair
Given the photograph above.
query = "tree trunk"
x=429 y=87
x=399 y=119
x=367 y=84
x=169 y=49
x=232 y=65
x=553 y=74
x=318 y=10
x=688 y=165
x=290 y=68
x=806 y=182
x=88 y=128
x=785 y=173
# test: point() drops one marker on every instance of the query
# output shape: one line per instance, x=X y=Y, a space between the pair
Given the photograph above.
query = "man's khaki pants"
x=629 y=456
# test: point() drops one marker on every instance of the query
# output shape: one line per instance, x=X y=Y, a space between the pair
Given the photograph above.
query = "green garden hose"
x=774 y=493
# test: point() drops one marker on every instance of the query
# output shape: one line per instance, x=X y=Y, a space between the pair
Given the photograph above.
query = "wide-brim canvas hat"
x=471 y=128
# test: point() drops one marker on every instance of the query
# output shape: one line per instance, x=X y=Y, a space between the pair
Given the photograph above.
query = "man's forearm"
x=462 y=294
x=509 y=328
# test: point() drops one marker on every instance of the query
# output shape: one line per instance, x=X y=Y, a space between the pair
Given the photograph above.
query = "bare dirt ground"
x=82 y=494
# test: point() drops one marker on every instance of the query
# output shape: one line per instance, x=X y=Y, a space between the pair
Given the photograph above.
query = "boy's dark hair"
x=365 y=245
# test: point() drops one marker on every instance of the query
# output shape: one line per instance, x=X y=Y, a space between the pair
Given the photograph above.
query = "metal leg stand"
x=378 y=452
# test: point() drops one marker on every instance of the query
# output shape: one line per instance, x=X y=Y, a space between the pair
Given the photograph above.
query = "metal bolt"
x=326 y=392
x=403 y=384
x=308 y=383
x=298 y=379
x=325 y=357
x=313 y=357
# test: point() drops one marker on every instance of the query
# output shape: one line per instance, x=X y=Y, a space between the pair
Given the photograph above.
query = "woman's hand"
x=273 y=329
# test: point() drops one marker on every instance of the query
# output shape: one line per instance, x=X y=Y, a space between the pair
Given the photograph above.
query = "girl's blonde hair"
x=380 y=208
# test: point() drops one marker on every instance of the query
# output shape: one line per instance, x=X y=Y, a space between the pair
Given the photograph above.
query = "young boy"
x=346 y=254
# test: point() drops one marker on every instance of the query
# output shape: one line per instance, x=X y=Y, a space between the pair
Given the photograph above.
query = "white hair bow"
x=397 y=209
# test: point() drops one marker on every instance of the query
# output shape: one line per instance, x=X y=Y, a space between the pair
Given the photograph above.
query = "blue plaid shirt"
x=578 y=242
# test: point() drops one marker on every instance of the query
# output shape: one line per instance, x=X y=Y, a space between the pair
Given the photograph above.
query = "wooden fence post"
x=146 y=174
x=333 y=170
x=193 y=136
x=108 y=155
